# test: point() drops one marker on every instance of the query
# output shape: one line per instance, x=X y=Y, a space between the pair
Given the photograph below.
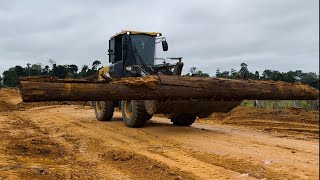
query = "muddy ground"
x=64 y=141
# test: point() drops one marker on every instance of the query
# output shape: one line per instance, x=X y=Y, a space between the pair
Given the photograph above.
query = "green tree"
x=84 y=68
x=218 y=73
x=198 y=73
x=193 y=70
x=277 y=76
x=312 y=79
x=73 y=68
x=234 y=74
x=60 y=71
x=20 y=71
x=267 y=74
x=0 y=81
x=244 y=72
x=83 y=71
x=86 y=72
x=72 y=71
x=29 y=69
x=36 y=69
x=46 y=70
x=256 y=76
x=201 y=74
x=10 y=77
x=224 y=74
x=290 y=76
x=272 y=75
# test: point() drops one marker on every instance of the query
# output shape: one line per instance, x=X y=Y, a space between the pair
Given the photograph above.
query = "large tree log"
x=161 y=88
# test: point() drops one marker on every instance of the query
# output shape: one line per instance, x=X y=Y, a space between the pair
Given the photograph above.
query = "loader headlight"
x=128 y=33
x=129 y=68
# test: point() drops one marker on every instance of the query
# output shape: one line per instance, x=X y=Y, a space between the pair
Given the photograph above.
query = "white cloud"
x=281 y=35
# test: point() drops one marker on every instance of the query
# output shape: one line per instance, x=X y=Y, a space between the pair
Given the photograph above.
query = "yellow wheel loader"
x=132 y=54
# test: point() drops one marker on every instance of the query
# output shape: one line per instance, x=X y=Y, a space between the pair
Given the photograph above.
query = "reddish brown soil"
x=64 y=141
x=288 y=115
x=290 y=123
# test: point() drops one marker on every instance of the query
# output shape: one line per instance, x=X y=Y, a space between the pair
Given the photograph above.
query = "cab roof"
x=137 y=32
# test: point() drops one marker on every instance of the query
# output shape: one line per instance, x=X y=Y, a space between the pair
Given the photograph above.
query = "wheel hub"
x=99 y=106
x=128 y=108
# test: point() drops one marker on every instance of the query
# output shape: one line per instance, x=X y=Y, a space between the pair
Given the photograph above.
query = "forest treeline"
x=10 y=77
x=309 y=78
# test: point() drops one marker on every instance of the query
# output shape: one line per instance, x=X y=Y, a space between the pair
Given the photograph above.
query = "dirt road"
x=66 y=142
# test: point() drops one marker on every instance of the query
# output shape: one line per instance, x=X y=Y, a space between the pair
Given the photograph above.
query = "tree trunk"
x=161 y=88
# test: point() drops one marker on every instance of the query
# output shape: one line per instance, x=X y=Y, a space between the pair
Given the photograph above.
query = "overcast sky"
x=266 y=34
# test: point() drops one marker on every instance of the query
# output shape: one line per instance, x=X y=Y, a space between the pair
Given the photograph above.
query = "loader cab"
x=131 y=49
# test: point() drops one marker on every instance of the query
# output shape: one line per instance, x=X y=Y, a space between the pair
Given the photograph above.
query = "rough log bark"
x=161 y=88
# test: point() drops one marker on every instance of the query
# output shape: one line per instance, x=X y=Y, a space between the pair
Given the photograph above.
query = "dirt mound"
x=10 y=92
x=285 y=115
x=10 y=95
x=4 y=106
x=9 y=98
x=240 y=115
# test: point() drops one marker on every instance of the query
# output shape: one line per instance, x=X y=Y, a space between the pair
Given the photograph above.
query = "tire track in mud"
x=143 y=142
x=35 y=155
x=126 y=163
x=139 y=141
x=112 y=148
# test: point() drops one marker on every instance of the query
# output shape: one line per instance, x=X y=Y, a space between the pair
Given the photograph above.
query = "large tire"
x=183 y=120
x=104 y=110
x=134 y=113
